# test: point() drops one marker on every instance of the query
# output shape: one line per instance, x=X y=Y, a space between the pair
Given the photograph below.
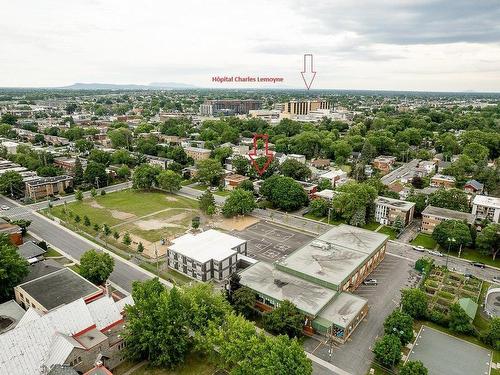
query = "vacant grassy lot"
x=424 y=240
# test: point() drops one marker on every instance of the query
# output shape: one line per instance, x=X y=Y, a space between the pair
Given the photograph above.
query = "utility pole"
x=97 y=181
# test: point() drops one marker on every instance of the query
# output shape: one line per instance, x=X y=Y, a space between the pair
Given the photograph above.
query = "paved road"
x=74 y=245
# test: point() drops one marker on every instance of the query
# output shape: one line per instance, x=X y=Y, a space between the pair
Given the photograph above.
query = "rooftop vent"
x=280 y=283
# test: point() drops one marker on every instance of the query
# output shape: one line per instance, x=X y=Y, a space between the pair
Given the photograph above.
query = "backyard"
x=147 y=217
x=424 y=240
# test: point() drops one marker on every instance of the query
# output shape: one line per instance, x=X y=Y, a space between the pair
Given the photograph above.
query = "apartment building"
x=384 y=163
x=432 y=216
x=442 y=181
x=303 y=107
x=387 y=210
x=48 y=186
x=484 y=207
x=229 y=107
x=157 y=161
x=67 y=164
x=197 y=153
x=209 y=255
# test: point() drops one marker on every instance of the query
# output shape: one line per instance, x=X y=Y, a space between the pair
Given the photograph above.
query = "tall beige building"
x=303 y=107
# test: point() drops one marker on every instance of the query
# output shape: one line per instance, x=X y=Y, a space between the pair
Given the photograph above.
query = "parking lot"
x=355 y=356
x=270 y=242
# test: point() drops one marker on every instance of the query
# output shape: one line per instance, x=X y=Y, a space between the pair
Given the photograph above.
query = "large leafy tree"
x=452 y=234
x=295 y=169
x=413 y=368
x=401 y=325
x=243 y=301
x=144 y=176
x=157 y=325
x=319 y=207
x=239 y=202
x=388 y=350
x=354 y=202
x=285 y=319
x=96 y=266
x=452 y=199
x=341 y=151
x=240 y=164
x=11 y=183
x=13 y=268
x=491 y=335
x=414 y=302
x=420 y=201
x=284 y=193
x=459 y=320
x=121 y=138
x=488 y=240
x=95 y=174
x=169 y=181
x=100 y=156
x=206 y=202
x=209 y=172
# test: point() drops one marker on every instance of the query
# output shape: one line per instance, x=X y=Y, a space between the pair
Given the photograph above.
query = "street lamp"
x=450 y=240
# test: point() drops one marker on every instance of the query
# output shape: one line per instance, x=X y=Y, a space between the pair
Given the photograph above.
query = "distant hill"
x=112 y=86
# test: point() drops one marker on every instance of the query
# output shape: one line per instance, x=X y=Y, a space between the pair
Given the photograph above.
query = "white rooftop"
x=333 y=173
x=207 y=245
x=343 y=309
x=394 y=203
x=483 y=200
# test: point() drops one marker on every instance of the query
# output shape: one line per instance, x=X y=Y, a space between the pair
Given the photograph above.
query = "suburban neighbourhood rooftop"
x=484 y=200
x=448 y=214
x=207 y=245
x=395 y=203
x=343 y=309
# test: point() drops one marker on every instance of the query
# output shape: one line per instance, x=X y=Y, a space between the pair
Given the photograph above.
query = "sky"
x=424 y=45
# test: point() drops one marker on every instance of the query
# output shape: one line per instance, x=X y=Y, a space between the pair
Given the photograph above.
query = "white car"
x=496 y=279
x=419 y=248
x=370 y=282
x=4 y=207
x=436 y=253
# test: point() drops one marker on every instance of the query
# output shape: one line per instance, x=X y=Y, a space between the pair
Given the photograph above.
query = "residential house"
x=384 y=163
x=55 y=140
x=387 y=210
x=12 y=231
x=326 y=194
x=232 y=181
x=157 y=161
x=485 y=207
x=67 y=164
x=442 y=181
x=43 y=187
x=309 y=188
x=31 y=252
x=473 y=187
x=337 y=177
x=297 y=157
x=432 y=216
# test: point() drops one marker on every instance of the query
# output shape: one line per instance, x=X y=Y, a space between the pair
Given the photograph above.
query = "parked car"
x=4 y=207
x=496 y=279
x=419 y=248
x=436 y=253
x=478 y=264
x=370 y=282
x=469 y=275
x=53 y=199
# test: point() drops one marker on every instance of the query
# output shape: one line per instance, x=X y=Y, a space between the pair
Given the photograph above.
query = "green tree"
x=11 y=183
x=169 y=181
x=93 y=192
x=97 y=228
x=477 y=152
x=295 y=169
x=239 y=202
x=84 y=145
x=400 y=324
x=8 y=118
x=452 y=234
x=140 y=247
x=247 y=185
x=13 y=268
x=341 y=151
x=459 y=320
x=86 y=221
x=452 y=199
x=240 y=164
x=106 y=230
x=100 y=156
x=398 y=224
x=222 y=153
x=387 y=350
x=95 y=174
x=121 y=138
x=77 y=219
x=420 y=201
x=285 y=319
x=354 y=202
x=414 y=302
x=23 y=224
x=79 y=195
x=96 y=266
x=324 y=184
x=126 y=239
x=206 y=202
x=157 y=325
x=195 y=222
x=243 y=301
x=145 y=176
x=123 y=172
x=78 y=177
x=488 y=240
x=413 y=368
x=491 y=336
x=209 y=172
x=319 y=207
x=284 y=193
x=116 y=235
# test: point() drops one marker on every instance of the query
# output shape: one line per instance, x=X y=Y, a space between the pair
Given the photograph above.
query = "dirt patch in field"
x=94 y=204
x=171 y=199
x=121 y=215
x=236 y=223
x=153 y=224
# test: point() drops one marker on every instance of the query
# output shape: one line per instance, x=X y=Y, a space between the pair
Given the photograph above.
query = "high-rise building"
x=303 y=107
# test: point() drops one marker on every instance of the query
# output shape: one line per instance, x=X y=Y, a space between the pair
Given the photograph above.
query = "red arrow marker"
x=308 y=72
x=253 y=154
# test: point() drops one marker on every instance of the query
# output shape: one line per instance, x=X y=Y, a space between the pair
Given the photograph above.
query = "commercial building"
x=303 y=107
x=197 y=153
x=229 y=107
x=444 y=181
x=48 y=186
x=432 y=216
x=209 y=255
x=55 y=289
x=387 y=210
x=77 y=335
x=484 y=207
x=317 y=278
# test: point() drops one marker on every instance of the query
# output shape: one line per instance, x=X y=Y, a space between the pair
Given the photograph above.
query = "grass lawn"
x=371 y=225
x=379 y=370
x=194 y=364
x=479 y=321
x=222 y=193
x=424 y=240
x=169 y=275
x=75 y=268
x=475 y=256
x=324 y=219
x=52 y=253
x=389 y=231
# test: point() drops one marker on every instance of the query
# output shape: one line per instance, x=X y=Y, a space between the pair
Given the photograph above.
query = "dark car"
x=478 y=264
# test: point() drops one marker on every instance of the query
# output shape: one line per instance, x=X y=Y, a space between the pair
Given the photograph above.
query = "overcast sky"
x=447 y=45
